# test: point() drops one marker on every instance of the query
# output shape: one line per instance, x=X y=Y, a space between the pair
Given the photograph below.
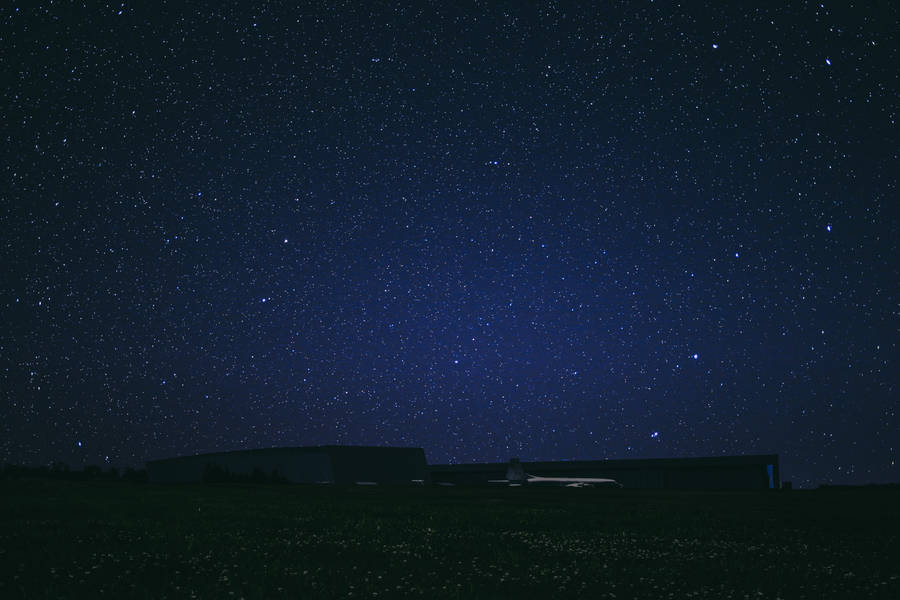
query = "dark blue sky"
x=640 y=229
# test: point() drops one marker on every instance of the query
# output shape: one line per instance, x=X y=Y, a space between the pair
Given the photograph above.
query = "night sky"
x=489 y=229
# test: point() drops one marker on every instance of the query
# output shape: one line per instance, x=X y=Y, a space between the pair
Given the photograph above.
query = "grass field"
x=80 y=540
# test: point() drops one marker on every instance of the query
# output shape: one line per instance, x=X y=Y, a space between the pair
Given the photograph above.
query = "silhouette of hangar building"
x=311 y=464
x=749 y=472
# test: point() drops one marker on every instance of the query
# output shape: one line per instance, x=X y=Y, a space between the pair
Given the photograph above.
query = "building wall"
x=380 y=465
x=318 y=464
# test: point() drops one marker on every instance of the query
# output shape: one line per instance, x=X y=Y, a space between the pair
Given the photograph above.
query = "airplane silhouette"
x=516 y=476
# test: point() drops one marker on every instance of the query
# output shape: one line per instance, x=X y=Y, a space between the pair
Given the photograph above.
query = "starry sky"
x=490 y=229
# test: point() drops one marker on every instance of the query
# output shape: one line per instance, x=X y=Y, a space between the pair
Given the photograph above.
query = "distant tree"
x=134 y=475
x=92 y=472
x=258 y=476
x=213 y=473
x=60 y=470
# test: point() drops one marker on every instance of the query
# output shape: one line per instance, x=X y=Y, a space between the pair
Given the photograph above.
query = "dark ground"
x=63 y=539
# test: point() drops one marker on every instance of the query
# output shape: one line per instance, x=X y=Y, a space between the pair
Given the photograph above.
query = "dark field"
x=65 y=540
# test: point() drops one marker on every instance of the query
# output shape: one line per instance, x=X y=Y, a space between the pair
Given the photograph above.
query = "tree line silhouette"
x=212 y=473
x=62 y=471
